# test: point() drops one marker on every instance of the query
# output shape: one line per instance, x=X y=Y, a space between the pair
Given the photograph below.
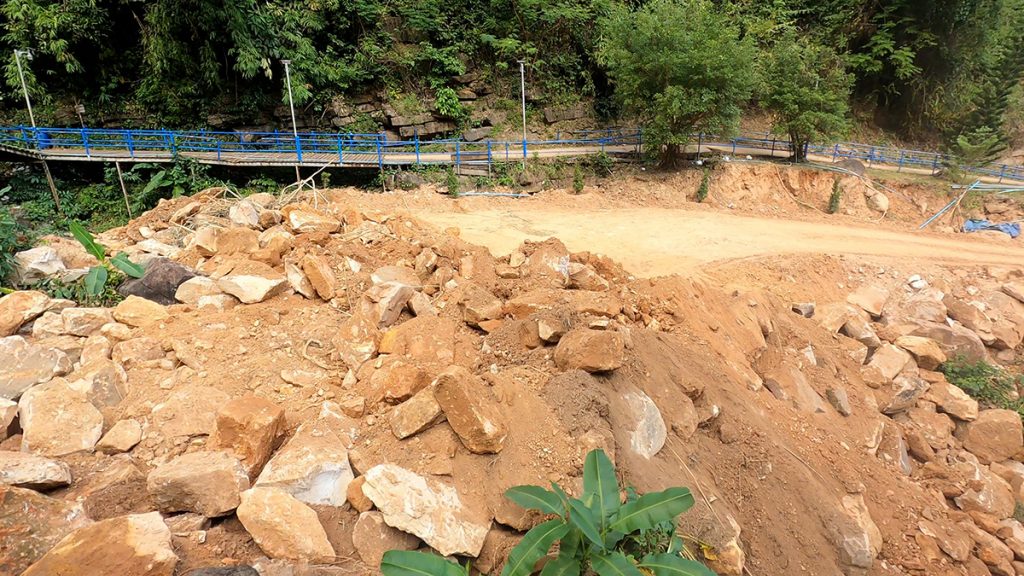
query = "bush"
x=835 y=200
x=11 y=242
x=577 y=179
x=705 y=182
x=451 y=182
x=990 y=385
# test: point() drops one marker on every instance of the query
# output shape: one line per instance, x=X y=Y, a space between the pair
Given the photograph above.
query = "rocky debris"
x=648 y=433
x=20 y=307
x=907 y=390
x=320 y=276
x=284 y=527
x=889 y=361
x=84 y=321
x=427 y=508
x=208 y=483
x=31 y=524
x=926 y=352
x=57 y=420
x=302 y=221
x=250 y=428
x=383 y=303
x=122 y=437
x=31 y=471
x=159 y=283
x=590 y=350
x=858 y=537
x=470 y=411
x=134 y=545
x=313 y=467
x=871 y=299
x=26 y=365
x=415 y=414
x=478 y=305
x=994 y=436
x=135 y=311
x=372 y=538
x=191 y=290
x=805 y=309
x=251 y=289
x=953 y=401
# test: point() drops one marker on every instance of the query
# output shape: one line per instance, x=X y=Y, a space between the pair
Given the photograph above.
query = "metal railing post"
x=1002 y=172
x=128 y=142
x=458 y=159
x=218 y=150
x=416 y=138
x=900 y=167
x=380 y=156
x=506 y=151
x=298 y=150
x=340 y=159
x=85 y=143
x=835 y=153
x=489 y=155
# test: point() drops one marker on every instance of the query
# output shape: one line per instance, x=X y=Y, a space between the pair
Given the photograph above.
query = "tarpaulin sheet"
x=1011 y=228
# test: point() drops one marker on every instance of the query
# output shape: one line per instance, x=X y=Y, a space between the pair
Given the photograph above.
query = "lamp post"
x=522 y=92
x=295 y=127
x=24 y=88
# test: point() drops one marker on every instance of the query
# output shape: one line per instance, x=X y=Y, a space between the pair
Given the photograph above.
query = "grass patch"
x=991 y=386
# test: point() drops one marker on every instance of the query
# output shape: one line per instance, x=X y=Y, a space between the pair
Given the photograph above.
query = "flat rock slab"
x=208 y=483
x=32 y=471
x=19 y=307
x=58 y=420
x=31 y=524
x=24 y=365
x=283 y=527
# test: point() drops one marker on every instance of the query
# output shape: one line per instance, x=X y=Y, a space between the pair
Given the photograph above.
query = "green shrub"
x=836 y=198
x=451 y=182
x=596 y=533
x=990 y=385
x=11 y=241
x=577 y=179
x=705 y=182
x=103 y=278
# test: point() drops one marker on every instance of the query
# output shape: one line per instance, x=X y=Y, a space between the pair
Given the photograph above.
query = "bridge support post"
x=124 y=190
x=53 y=188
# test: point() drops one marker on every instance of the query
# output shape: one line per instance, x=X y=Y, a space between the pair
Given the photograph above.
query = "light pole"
x=295 y=127
x=522 y=92
x=24 y=88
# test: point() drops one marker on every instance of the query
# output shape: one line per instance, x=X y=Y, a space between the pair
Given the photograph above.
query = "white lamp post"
x=291 y=105
x=24 y=88
x=522 y=92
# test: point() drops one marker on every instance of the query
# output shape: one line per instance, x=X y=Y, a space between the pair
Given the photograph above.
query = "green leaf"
x=87 y=241
x=406 y=563
x=155 y=182
x=583 y=519
x=599 y=481
x=570 y=545
x=561 y=495
x=672 y=565
x=562 y=566
x=613 y=564
x=536 y=498
x=652 y=509
x=122 y=263
x=95 y=280
x=534 y=545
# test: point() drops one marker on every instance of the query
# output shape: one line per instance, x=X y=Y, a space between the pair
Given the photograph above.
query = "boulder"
x=49 y=325
x=233 y=241
x=833 y=316
x=57 y=420
x=135 y=545
x=789 y=384
x=889 y=361
x=584 y=277
x=284 y=527
x=204 y=241
x=24 y=365
x=298 y=281
x=84 y=321
x=427 y=508
x=547 y=263
x=190 y=411
x=478 y=305
x=590 y=350
x=648 y=433
x=8 y=412
x=159 y=283
x=122 y=437
x=951 y=539
x=383 y=303
x=400 y=274
x=859 y=329
x=245 y=214
x=858 y=537
x=1014 y=290
x=805 y=309
x=35 y=264
x=31 y=471
x=907 y=390
x=371 y=538
x=953 y=339
x=953 y=401
x=415 y=414
x=250 y=289
x=470 y=411
x=878 y=202
x=131 y=352
x=990 y=550
x=219 y=302
x=994 y=436
x=313 y=467
x=185 y=212
x=207 y=483
x=103 y=383
x=303 y=221
x=926 y=352
x=139 y=312
x=396 y=380
x=249 y=427
x=191 y=290
x=970 y=316
x=320 y=276
x=357 y=339
x=987 y=493
x=925 y=306
x=31 y=524
x=871 y=299
x=20 y=307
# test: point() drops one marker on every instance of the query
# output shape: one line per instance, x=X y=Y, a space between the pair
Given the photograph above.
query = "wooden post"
x=124 y=189
x=53 y=188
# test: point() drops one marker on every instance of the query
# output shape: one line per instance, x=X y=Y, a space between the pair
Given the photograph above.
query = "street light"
x=24 y=88
x=522 y=92
x=295 y=127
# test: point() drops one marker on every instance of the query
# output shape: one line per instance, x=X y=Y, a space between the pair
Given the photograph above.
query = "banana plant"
x=95 y=281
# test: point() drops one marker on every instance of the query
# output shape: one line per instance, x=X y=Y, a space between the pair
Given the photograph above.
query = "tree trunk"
x=799 y=144
x=669 y=155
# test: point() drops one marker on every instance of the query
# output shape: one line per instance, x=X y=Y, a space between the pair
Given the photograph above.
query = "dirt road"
x=655 y=241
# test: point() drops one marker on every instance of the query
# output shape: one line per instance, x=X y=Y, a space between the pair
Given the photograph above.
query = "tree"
x=681 y=67
x=807 y=88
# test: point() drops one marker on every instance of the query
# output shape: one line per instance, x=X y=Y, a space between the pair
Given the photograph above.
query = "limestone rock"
x=970 y=316
x=320 y=276
x=58 y=421
x=546 y=262
x=31 y=471
x=313 y=467
x=648 y=432
x=479 y=305
x=427 y=508
x=356 y=498
x=384 y=303
x=871 y=299
x=415 y=414
x=191 y=411
x=137 y=312
x=789 y=384
x=35 y=264
x=20 y=307
x=219 y=302
x=135 y=545
x=995 y=435
x=103 y=383
x=953 y=401
x=987 y=493
x=858 y=536
x=472 y=414
x=926 y=352
x=590 y=350
x=878 y=202
x=122 y=437
x=397 y=275
x=31 y=524
x=1015 y=290
x=208 y=483
x=24 y=365
x=131 y=352
x=250 y=289
x=182 y=214
x=284 y=527
x=84 y=321
x=307 y=221
x=357 y=339
x=236 y=241
x=990 y=549
x=839 y=399
x=951 y=539
x=953 y=339
x=858 y=329
x=298 y=281
x=8 y=412
x=244 y=213
x=372 y=538
x=191 y=290
x=907 y=390
x=889 y=361
x=249 y=427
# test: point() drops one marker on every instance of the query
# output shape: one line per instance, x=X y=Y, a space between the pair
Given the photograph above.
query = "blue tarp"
x=1011 y=228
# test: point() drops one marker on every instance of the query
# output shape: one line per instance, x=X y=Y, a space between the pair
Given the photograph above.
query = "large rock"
x=298 y=281
x=103 y=383
x=428 y=508
x=647 y=432
x=251 y=289
x=313 y=467
x=250 y=428
x=24 y=365
x=191 y=290
x=208 y=483
x=415 y=414
x=1015 y=290
x=284 y=527
x=871 y=299
x=953 y=401
x=122 y=437
x=925 y=306
x=987 y=493
x=479 y=305
x=889 y=361
x=953 y=339
x=371 y=538
x=31 y=471
x=303 y=221
x=590 y=350
x=20 y=307
x=139 y=312
x=58 y=420
x=321 y=277
x=31 y=524
x=926 y=352
x=135 y=545
x=906 y=391
x=357 y=339
x=159 y=283
x=8 y=412
x=858 y=328
x=244 y=213
x=398 y=274
x=39 y=263
x=858 y=537
x=472 y=414
x=191 y=411
x=383 y=303
x=789 y=384
x=970 y=316
x=84 y=321
x=994 y=436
